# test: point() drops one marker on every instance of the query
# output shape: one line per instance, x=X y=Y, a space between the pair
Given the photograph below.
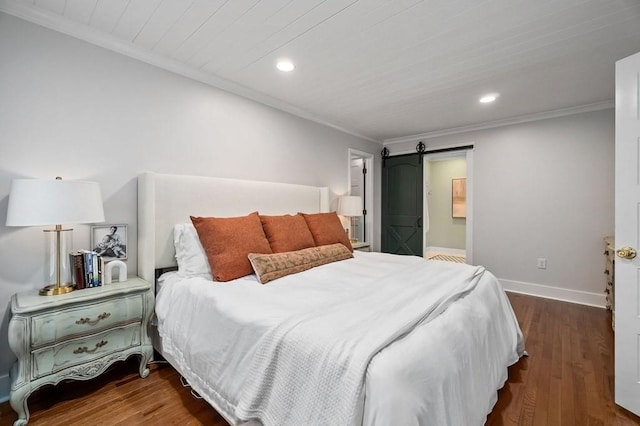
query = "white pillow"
x=192 y=260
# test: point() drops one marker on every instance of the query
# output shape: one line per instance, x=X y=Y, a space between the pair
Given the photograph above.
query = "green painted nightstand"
x=76 y=336
x=361 y=246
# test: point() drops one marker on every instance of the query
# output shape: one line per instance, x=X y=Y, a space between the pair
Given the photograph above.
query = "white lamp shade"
x=40 y=202
x=350 y=205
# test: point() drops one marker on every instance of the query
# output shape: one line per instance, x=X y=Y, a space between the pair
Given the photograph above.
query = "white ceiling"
x=384 y=69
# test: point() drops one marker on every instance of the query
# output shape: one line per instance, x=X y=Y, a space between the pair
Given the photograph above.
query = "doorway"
x=445 y=206
x=360 y=176
x=405 y=203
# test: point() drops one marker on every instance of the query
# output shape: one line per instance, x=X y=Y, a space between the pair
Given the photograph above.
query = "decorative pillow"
x=326 y=228
x=287 y=233
x=228 y=240
x=191 y=258
x=268 y=267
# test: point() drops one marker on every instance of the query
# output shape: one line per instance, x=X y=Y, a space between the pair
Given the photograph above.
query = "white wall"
x=69 y=108
x=543 y=189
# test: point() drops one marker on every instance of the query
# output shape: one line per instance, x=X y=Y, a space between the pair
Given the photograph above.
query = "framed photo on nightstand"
x=109 y=241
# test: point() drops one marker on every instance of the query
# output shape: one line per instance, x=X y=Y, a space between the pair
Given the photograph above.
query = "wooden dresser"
x=610 y=266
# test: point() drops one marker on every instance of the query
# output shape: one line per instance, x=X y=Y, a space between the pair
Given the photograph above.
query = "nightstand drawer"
x=54 y=358
x=79 y=321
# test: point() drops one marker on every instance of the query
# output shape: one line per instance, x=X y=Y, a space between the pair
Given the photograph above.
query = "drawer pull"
x=89 y=321
x=85 y=350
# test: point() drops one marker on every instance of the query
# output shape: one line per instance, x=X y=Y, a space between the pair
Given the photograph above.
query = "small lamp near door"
x=350 y=206
x=44 y=202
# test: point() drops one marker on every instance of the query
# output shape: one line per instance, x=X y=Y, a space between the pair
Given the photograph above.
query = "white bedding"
x=445 y=371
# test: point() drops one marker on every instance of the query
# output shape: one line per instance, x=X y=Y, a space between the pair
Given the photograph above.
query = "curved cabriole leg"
x=145 y=357
x=18 y=401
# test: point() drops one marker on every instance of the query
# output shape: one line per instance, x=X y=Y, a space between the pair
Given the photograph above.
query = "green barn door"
x=402 y=205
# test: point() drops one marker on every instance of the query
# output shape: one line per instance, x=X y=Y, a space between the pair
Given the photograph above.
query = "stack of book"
x=87 y=267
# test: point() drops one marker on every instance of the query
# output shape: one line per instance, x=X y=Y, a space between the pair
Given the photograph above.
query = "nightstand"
x=361 y=246
x=76 y=335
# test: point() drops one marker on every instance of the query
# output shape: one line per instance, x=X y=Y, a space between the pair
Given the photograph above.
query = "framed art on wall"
x=459 y=197
x=110 y=241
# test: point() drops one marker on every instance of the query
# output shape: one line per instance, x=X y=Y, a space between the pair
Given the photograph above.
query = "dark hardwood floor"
x=566 y=380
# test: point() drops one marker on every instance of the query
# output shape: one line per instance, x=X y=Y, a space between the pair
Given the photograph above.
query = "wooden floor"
x=566 y=380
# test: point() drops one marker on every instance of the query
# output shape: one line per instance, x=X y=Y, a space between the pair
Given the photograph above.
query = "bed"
x=372 y=339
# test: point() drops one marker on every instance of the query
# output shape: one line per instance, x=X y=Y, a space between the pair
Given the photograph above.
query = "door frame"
x=367 y=157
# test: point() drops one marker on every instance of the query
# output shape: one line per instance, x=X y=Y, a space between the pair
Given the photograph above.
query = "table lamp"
x=350 y=206
x=41 y=202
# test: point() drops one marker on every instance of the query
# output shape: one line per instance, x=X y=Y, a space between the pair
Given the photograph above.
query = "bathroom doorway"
x=447 y=205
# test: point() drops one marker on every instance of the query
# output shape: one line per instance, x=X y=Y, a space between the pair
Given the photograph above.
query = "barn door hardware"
x=385 y=154
x=421 y=148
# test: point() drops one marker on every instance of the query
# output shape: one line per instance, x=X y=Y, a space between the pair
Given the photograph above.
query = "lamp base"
x=55 y=289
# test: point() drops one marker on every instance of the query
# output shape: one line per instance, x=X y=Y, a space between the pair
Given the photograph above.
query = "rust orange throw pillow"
x=228 y=240
x=326 y=229
x=287 y=233
x=269 y=267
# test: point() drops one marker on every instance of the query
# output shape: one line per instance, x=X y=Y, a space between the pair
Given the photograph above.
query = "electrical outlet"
x=542 y=263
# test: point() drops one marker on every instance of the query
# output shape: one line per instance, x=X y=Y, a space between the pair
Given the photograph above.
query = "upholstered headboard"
x=164 y=200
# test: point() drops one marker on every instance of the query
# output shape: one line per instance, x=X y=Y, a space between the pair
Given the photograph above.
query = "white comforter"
x=446 y=370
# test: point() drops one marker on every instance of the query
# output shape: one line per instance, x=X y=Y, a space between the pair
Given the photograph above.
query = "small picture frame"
x=110 y=241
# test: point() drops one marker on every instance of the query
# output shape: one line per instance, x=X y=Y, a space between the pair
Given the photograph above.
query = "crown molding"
x=86 y=33
x=597 y=106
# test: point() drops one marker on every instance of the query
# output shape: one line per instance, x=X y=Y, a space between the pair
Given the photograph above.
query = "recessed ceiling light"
x=486 y=99
x=285 y=65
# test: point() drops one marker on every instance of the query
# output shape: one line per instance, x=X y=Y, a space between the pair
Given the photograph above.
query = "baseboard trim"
x=5 y=386
x=556 y=293
x=446 y=250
